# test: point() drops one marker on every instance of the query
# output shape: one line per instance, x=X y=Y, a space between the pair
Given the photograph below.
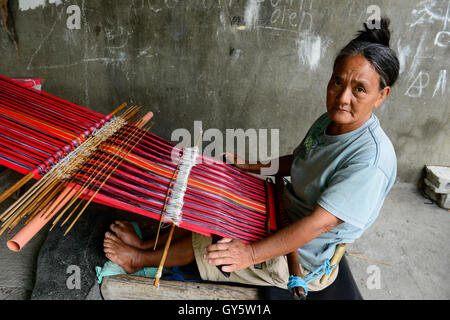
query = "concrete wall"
x=235 y=64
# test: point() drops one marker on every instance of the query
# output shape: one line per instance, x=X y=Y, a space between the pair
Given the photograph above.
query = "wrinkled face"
x=353 y=91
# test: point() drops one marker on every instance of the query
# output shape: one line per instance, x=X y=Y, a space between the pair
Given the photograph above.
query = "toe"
x=108 y=235
x=108 y=251
x=114 y=228
x=113 y=237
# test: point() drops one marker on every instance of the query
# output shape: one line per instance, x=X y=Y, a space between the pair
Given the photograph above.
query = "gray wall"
x=236 y=64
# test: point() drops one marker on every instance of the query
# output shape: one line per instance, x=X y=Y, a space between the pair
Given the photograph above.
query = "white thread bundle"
x=175 y=204
x=73 y=161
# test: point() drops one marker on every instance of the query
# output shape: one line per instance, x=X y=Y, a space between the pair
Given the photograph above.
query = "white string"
x=175 y=204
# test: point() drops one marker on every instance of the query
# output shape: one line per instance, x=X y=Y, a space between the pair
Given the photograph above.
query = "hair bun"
x=380 y=35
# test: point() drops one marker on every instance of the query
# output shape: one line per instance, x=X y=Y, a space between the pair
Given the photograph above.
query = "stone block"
x=442 y=199
x=438 y=178
x=436 y=189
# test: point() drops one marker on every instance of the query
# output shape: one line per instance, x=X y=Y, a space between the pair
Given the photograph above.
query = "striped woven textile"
x=37 y=129
x=219 y=199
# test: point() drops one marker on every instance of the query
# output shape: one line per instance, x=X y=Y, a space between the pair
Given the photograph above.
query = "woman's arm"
x=284 y=164
x=236 y=255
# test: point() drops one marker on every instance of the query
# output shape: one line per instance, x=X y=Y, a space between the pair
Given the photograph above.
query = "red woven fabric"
x=37 y=129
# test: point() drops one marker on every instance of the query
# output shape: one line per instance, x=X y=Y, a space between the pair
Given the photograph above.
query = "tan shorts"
x=273 y=272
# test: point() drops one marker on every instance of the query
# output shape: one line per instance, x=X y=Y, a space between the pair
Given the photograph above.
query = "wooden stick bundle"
x=45 y=196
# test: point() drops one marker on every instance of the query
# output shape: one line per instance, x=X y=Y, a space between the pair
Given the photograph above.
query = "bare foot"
x=126 y=256
x=125 y=232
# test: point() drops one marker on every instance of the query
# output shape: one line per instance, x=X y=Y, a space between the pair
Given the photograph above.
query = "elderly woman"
x=340 y=175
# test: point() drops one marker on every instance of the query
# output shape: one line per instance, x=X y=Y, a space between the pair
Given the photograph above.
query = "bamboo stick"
x=86 y=185
x=37 y=197
x=165 y=204
x=369 y=259
x=6 y=194
x=119 y=108
x=145 y=119
x=70 y=193
x=166 y=247
x=38 y=187
x=89 y=181
x=164 y=256
x=95 y=193
x=338 y=254
x=12 y=216
x=71 y=197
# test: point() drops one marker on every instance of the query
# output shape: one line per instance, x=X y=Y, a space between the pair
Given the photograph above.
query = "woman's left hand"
x=231 y=253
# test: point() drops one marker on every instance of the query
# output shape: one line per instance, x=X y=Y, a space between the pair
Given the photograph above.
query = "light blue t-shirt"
x=349 y=175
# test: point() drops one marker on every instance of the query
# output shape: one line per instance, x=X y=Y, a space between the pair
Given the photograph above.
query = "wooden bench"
x=126 y=287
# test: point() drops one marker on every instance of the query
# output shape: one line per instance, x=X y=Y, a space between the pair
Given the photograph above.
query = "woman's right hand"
x=237 y=161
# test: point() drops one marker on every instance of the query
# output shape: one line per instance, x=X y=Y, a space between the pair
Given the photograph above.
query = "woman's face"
x=352 y=93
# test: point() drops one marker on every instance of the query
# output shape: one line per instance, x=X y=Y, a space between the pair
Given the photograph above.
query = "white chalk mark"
x=278 y=29
x=237 y=55
x=417 y=57
x=44 y=40
x=310 y=51
x=104 y=60
x=441 y=84
x=25 y=5
x=223 y=20
x=426 y=14
x=58 y=66
x=123 y=45
x=30 y=4
x=56 y=2
x=107 y=60
x=446 y=16
x=251 y=14
x=415 y=90
x=403 y=52
x=170 y=4
x=438 y=41
x=145 y=52
x=304 y=16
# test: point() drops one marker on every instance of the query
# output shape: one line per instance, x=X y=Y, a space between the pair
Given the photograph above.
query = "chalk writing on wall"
x=423 y=43
x=426 y=14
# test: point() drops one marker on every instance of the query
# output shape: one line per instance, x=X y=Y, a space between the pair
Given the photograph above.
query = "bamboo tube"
x=31 y=212
x=25 y=234
x=338 y=254
x=70 y=194
x=32 y=227
x=39 y=196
